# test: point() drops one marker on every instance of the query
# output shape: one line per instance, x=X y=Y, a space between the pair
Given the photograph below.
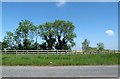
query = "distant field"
x=60 y=60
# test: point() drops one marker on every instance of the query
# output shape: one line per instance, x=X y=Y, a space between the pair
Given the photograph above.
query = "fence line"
x=50 y=52
x=38 y=51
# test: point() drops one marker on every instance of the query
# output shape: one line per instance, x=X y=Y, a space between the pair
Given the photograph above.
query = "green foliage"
x=100 y=46
x=47 y=33
x=60 y=60
x=4 y=44
x=43 y=46
x=64 y=31
x=85 y=45
x=56 y=35
x=24 y=34
x=8 y=40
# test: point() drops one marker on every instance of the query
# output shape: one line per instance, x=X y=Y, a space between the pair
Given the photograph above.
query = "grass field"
x=60 y=60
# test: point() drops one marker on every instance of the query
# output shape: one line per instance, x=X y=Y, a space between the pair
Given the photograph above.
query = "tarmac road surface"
x=60 y=71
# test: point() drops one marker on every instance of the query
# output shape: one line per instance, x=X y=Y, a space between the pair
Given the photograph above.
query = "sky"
x=95 y=21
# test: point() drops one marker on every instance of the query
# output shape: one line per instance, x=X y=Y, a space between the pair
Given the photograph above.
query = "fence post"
x=37 y=51
x=5 y=52
x=65 y=52
x=47 y=51
x=57 y=52
x=16 y=52
x=27 y=51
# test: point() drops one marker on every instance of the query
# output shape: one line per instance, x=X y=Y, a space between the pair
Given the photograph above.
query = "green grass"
x=60 y=60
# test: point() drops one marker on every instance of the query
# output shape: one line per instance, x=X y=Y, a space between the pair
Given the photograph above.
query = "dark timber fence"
x=52 y=52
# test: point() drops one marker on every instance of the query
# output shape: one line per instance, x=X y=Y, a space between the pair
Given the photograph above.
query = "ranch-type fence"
x=39 y=51
x=53 y=52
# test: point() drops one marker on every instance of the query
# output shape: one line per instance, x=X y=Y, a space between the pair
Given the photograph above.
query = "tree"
x=34 y=33
x=17 y=39
x=58 y=35
x=47 y=33
x=64 y=33
x=85 y=45
x=4 y=44
x=24 y=32
x=9 y=40
x=43 y=46
x=100 y=47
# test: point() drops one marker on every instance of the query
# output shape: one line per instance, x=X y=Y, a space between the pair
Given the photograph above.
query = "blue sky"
x=98 y=22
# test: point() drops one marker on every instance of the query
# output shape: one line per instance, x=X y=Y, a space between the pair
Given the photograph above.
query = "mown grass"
x=60 y=60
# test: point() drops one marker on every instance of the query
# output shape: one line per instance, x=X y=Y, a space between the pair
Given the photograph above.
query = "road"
x=60 y=71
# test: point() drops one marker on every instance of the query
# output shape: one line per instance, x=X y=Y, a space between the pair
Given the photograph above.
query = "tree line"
x=86 y=47
x=57 y=35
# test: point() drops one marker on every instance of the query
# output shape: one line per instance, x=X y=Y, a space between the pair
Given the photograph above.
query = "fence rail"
x=50 y=52
x=38 y=51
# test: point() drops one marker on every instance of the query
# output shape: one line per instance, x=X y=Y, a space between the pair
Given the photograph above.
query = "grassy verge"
x=60 y=60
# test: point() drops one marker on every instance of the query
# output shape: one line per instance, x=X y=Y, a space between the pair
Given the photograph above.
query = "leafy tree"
x=17 y=39
x=100 y=46
x=47 y=33
x=35 y=46
x=34 y=33
x=58 y=35
x=64 y=33
x=43 y=46
x=9 y=40
x=85 y=45
x=4 y=44
x=24 y=33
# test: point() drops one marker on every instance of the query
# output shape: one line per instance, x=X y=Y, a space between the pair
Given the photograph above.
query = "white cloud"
x=109 y=32
x=60 y=3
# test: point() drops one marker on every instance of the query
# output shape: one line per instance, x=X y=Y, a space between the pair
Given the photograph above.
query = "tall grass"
x=60 y=60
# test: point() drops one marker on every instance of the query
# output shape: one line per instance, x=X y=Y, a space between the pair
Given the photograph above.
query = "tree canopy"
x=85 y=45
x=57 y=35
x=100 y=46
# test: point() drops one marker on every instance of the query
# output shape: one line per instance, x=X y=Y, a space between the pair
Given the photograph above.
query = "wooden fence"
x=50 y=52
x=39 y=52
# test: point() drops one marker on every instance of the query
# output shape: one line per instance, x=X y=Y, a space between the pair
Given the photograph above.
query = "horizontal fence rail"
x=38 y=51
x=51 y=52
